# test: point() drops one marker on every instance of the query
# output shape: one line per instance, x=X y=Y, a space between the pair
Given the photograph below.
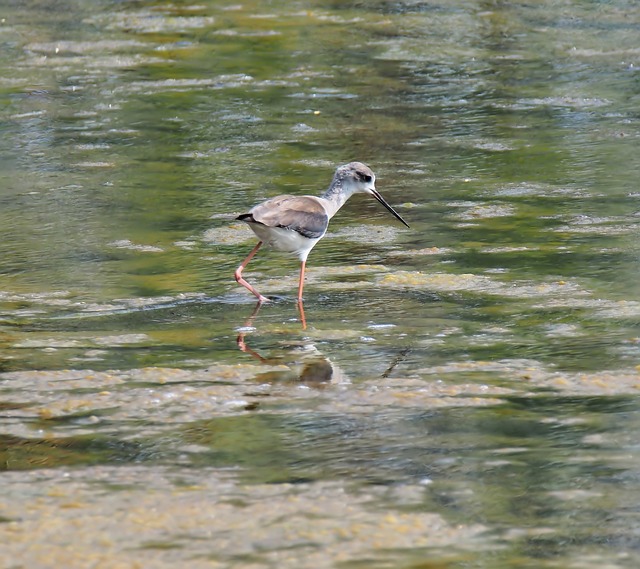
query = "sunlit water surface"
x=465 y=393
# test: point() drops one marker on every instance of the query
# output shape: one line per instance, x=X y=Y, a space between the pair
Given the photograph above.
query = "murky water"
x=465 y=393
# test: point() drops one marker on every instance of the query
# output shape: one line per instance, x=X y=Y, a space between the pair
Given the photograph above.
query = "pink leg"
x=303 y=320
x=245 y=284
x=301 y=284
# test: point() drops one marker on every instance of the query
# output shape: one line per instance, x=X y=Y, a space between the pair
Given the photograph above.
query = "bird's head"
x=357 y=177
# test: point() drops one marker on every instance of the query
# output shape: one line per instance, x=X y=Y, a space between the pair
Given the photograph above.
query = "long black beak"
x=376 y=195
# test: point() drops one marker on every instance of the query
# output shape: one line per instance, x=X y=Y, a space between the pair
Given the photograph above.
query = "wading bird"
x=294 y=224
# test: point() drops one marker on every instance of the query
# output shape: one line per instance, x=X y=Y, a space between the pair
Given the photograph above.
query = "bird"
x=294 y=224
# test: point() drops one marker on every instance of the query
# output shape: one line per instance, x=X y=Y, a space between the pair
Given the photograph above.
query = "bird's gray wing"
x=303 y=214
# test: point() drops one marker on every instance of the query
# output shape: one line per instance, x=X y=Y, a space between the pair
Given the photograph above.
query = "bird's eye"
x=364 y=177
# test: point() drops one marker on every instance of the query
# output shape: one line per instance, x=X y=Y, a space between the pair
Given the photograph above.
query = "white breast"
x=285 y=240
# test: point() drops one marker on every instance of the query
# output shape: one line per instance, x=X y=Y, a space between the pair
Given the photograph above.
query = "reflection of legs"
x=302 y=318
x=245 y=284
x=243 y=332
x=242 y=345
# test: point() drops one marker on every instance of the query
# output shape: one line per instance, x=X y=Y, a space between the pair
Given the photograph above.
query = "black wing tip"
x=245 y=217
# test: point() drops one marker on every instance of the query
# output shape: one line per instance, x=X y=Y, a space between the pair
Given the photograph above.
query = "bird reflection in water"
x=304 y=362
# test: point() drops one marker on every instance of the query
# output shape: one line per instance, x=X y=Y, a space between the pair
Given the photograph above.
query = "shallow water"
x=465 y=393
